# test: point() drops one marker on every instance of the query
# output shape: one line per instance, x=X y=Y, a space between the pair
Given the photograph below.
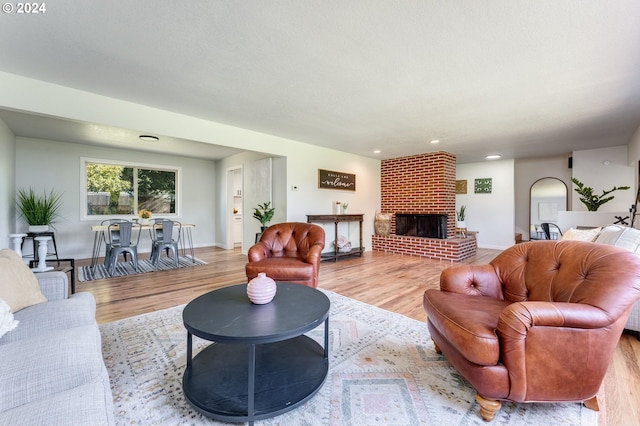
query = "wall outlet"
x=294 y=187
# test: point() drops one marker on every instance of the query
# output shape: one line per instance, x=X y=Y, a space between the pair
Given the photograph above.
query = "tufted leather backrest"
x=292 y=239
x=570 y=271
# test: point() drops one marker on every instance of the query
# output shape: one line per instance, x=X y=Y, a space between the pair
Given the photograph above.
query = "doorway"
x=234 y=212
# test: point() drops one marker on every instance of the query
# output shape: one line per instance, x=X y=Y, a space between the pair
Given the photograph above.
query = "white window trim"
x=83 y=186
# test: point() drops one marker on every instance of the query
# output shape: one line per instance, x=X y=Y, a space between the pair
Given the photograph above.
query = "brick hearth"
x=422 y=184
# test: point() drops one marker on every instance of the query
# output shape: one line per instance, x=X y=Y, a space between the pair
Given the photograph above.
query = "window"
x=122 y=189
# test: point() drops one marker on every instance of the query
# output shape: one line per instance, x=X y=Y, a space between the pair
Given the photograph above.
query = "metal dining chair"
x=550 y=229
x=121 y=241
x=162 y=239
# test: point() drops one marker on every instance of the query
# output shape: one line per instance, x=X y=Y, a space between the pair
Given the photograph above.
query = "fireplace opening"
x=422 y=225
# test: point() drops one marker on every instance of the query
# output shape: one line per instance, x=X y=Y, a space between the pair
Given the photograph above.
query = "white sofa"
x=619 y=236
x=51 y=369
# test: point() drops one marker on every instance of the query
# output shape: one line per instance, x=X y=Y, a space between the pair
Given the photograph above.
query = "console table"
x=336 y=219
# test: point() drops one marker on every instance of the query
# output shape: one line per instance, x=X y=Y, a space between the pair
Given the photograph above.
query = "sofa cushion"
x=33 y=369
x=87 y=405
x=581 y=234
x=469 y=322
x=7 y=322
x=620 y=236
x=18 y=285
x=43 y=318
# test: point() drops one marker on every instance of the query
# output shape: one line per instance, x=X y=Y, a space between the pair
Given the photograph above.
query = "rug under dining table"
x=98 y=272
x=383 y=370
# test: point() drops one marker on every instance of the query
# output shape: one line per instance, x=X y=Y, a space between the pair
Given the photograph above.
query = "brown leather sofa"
x=288 y=252
x=539 y=323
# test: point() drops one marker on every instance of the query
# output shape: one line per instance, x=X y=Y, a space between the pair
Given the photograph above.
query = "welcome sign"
x=330 y=179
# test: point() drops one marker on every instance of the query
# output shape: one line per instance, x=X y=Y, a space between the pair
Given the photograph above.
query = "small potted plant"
x=345 y=206
x=40 y=211
x=461 y=216
x=264 y=213
x=145 y=216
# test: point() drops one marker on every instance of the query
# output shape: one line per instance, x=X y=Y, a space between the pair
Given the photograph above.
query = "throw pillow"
x=610 y=234
x=18 y=285
x=581 y=234
x=629 y=239
x=7 y=323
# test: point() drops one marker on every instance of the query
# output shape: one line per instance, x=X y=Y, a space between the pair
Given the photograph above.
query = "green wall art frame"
x=482 y=186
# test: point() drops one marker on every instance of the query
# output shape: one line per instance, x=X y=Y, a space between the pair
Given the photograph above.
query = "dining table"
x=100 y=238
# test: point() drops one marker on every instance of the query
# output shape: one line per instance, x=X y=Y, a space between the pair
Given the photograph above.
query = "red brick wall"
x=424 y=184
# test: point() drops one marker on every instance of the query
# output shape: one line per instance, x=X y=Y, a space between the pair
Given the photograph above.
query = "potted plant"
x=264 y=213
x=592 y=201
x=40 y=211
x=461 y=216
x=145 y=216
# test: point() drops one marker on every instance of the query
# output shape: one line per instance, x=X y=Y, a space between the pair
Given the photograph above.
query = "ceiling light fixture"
x=377 y=151
x=493 y=156
x=149 y=138
x=435 y=141
x=606 y=162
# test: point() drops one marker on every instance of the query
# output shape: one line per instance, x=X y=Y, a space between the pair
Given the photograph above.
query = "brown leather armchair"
x=539 y=323
x=288 y=252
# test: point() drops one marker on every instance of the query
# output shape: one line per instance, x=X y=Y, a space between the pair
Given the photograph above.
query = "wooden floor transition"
x=389 y=281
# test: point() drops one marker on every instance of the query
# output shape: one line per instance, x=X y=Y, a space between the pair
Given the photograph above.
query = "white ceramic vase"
x=261 y=289
x=38 y=228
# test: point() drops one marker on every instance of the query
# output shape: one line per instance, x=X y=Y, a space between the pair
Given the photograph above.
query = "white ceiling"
x=517 y=77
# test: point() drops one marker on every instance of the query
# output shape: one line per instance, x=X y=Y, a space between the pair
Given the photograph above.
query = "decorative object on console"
x=345 y=206
x=262 y=289
x=40 y=211
x=342 y=244
x=592 y=201
x=264 y=213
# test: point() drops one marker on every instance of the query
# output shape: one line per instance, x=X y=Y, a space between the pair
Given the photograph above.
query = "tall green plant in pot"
x=264 y=213
x=593 y=201
x=40 y=211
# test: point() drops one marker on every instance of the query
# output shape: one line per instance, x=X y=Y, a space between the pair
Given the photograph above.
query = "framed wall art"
x=482 y=186
x=461 y=186
x=329 y=179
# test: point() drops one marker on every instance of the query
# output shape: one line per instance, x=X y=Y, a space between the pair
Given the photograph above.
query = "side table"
x=70 y=268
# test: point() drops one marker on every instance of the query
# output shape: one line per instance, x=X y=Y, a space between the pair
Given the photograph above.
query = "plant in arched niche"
x=591 y=200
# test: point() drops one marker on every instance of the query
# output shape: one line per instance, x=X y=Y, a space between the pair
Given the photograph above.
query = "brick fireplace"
x=422 y=185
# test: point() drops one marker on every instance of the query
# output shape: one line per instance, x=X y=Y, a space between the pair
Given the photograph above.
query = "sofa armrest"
x=54 y=285
x=473 y=280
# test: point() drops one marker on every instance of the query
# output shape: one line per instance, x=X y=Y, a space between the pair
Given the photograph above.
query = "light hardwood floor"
x=389 y=281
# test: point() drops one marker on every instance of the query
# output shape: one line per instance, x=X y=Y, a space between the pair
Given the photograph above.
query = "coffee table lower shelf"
x=287 y=374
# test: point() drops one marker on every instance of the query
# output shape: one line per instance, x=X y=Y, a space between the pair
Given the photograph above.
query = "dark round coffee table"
x=260 y=364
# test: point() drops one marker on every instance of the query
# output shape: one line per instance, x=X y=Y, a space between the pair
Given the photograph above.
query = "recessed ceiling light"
x=435 y=141
x=149 y=138
x=493 y=156
x=377 y=151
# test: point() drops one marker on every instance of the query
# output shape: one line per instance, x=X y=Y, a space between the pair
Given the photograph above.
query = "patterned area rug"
x=383 y=370
x=144 y=265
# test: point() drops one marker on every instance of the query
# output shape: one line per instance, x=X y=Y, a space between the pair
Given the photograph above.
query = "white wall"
x=7 y=184
x=45 y=165
x=302 y=160
x=588 y=168
x=491 y=215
